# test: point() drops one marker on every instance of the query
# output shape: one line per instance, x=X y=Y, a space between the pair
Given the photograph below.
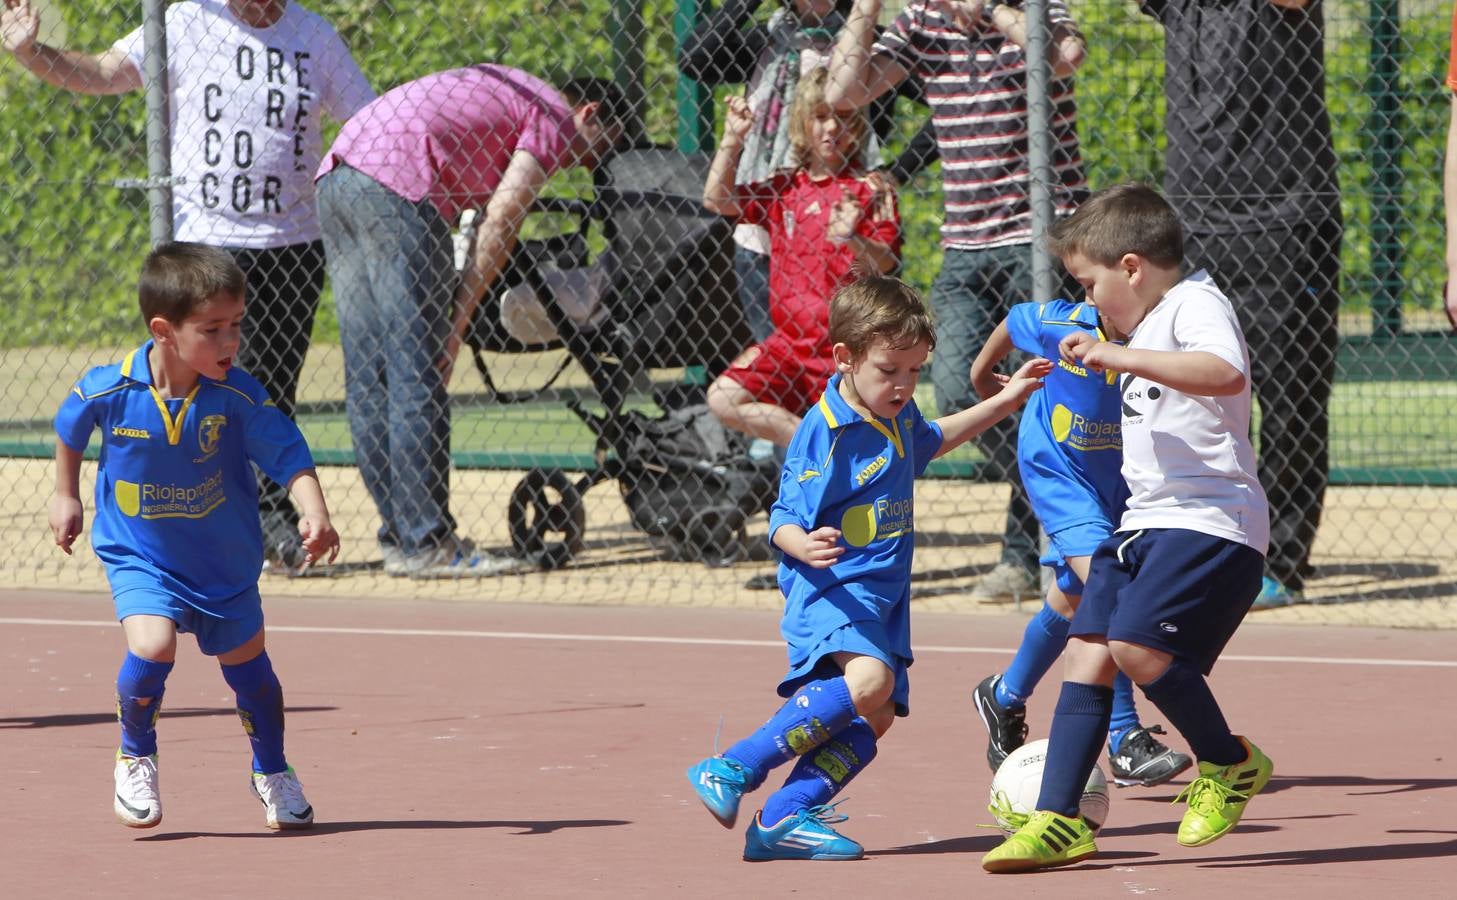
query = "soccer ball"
x=1019 y=780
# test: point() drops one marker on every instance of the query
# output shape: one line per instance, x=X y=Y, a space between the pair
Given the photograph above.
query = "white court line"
x=728 y=642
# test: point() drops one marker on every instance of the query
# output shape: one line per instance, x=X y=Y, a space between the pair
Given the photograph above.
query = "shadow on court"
x=109 y=718
x=1315 y=856
x=320 y=829
x=1361 y=786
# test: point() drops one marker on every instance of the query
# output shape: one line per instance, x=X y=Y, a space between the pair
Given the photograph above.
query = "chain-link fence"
x=577 y=436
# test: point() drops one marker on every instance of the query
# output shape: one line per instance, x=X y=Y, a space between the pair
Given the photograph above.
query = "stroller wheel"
x=547 y=518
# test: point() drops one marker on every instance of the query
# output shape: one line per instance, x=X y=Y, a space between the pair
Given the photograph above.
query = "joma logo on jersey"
x=865 y=473
x=139 y=433
x=209 y=433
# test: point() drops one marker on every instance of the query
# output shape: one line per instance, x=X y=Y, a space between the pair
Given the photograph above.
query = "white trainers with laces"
x=283 y=799
x=136 y=801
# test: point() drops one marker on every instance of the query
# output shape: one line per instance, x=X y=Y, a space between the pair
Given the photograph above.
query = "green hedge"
x=70 y=242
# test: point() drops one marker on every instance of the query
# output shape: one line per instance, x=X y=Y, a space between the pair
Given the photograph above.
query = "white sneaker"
x=1005 y=582
x=394 y=560
x=458 y=558
x=136 y=801
x=283 y=798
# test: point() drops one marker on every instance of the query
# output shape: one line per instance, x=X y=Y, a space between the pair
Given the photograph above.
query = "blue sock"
x=1073 y=742
x=137 y=680
x=806 y=720
x=1183 y=696
x=260 y=706
x=1125 y=714
x=819 y=776
x=1042 y=643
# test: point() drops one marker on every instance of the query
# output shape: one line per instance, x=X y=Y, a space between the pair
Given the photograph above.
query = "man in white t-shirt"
x=249 y=83
x=1166 y=592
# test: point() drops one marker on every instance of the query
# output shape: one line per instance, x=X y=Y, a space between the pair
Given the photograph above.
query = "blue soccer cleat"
x=720 y=783
x=805 y=835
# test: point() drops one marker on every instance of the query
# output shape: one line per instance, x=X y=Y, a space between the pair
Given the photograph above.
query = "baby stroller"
x=662 y=294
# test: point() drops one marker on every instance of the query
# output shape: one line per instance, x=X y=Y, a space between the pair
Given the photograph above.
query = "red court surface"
x=456 y=750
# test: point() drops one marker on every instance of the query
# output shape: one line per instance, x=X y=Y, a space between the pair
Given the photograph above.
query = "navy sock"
x=1183 y=696
x=806 y=720
x=1125 y=714
x=260 y=706
x=1042 y=643
x=1073 y=742
x=819 y=776
x=140 y=680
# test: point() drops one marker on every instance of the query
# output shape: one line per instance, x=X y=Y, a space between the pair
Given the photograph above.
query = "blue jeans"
x=970 y=297
x=393 y=271
x=753 y=271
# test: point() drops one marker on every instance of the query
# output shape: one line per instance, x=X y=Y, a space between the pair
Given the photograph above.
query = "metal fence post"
x=1039 y=147
x=626 y=28
x=159 y=123
x=1383 y=86
x=695 y=102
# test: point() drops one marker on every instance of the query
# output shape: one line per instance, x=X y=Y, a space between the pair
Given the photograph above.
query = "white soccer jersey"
x=1188 y=459
x=247 y=106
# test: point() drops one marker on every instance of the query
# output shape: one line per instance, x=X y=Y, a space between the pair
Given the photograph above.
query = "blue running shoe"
x=805 y=835
x=720 y=783
x=1274 y=595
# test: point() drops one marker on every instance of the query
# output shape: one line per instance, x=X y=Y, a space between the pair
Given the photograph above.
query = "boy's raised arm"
x=856 y=75
x=984 y=368
x=959 y=427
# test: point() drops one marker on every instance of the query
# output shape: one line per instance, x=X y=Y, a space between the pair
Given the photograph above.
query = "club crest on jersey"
x=209 y=434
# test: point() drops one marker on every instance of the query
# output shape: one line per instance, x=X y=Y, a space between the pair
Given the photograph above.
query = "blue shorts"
x=1182 y=592
x=863 y=638
x=239 y=618
x=1079 y=540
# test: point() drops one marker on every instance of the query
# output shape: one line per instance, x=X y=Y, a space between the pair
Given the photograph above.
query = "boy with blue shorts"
x=1166 y=592
x=845 y=522
x=1069 y=451
x=177 y=524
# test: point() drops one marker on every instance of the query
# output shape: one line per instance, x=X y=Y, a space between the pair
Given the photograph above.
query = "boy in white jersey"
x=1167 y=590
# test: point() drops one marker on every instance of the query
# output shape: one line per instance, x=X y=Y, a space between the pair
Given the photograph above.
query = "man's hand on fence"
x=20 y=25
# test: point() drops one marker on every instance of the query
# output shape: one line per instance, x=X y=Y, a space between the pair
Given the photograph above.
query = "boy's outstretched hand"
x=1028 y=378
x=66 y=519
x=319 y=537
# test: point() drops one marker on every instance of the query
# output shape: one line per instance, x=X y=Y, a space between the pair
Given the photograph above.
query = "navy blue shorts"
x=1182 y=592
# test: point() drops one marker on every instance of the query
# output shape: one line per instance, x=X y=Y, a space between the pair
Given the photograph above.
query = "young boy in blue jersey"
x=177 y=523
x=1069 y=451
x=845 y=522
x=1166 y=592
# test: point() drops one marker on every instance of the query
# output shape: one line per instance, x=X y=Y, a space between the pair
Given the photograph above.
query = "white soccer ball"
x=1019 y=780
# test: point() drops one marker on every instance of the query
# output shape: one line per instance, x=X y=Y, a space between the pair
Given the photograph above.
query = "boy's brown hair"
x=809 y=96
x=1125 y=218
x=180 y=278
x=879 y=307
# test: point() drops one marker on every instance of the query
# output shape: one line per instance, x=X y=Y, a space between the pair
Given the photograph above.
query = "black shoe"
x=1006 y=727
x=1143 y=760
x=764 y=581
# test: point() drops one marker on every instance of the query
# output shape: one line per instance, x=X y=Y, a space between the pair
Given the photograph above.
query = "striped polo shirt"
x=977 y=87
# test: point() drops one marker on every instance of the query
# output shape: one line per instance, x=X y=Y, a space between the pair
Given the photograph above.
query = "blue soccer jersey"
x=1070 y=442
x=176 y=498
x=857 y=475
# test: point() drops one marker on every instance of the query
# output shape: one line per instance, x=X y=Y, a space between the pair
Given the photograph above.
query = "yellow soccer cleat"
x=1047 y=840
x=1217 y=798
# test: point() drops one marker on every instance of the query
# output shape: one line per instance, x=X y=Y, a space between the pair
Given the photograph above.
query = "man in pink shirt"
x=389 y=190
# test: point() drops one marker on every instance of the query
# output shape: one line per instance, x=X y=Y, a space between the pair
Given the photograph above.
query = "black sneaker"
x=1143 y=760
x=1006 y=727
